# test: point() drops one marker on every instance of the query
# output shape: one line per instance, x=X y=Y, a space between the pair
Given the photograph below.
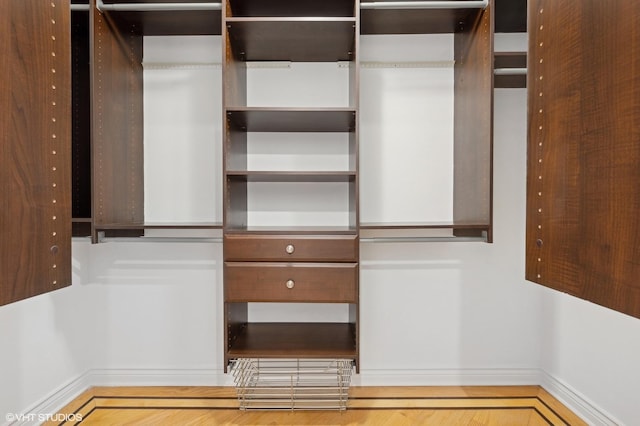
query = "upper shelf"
x=293 y=8
x=203 y=17
x=416 y=17
x=292 y=39
x=166 y=17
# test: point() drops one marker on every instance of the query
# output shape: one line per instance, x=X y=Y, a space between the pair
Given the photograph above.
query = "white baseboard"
x=440 y=377
x=573 y=399
x=117 y=377
x=576 y=401
x=51 y=404
x=159 y=377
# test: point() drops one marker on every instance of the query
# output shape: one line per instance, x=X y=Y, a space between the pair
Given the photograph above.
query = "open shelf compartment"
x=292 y=340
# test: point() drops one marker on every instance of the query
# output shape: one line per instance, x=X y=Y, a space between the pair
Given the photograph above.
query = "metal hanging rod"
x=510 y=71
x=161 y=240
x=80 y=7
x=156 y=7
x=421 y=239
x=480 y=4
x=150 y=7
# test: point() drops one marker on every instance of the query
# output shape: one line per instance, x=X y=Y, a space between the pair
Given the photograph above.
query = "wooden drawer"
x=297 y=282
x=294 y=248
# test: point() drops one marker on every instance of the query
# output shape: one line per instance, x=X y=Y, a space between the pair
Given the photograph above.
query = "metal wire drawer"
x=292 y=384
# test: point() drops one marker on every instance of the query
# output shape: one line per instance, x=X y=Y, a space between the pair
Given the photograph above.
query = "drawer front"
x=298 y=282
x=295 y=248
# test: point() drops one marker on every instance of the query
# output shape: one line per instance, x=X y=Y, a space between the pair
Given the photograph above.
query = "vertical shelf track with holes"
x=35 y=148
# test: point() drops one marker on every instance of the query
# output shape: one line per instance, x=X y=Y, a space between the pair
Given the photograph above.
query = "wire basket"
x=292 y=384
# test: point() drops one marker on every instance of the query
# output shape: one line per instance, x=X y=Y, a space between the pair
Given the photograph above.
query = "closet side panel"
x=583 y=197
x=35 y=148
x=117 y=126
x=473 y=121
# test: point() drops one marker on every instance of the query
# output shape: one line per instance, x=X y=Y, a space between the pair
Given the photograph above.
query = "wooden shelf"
x=422 y=225
x=299 y=8
x=293 y=230
x=294 y=340
x=292 y=39
x=164 y=225
x=152 y=23
x=262 y=119
x=292 y=177
x=413 y=21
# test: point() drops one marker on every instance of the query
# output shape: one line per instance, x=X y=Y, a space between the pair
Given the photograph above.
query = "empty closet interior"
x=291 y=132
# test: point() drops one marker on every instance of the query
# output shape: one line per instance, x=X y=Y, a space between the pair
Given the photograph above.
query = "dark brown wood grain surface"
x=583 y=187
x=35 y=148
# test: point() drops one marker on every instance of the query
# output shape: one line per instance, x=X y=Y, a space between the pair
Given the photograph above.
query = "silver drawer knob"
x=290 y=249
x=290 y=283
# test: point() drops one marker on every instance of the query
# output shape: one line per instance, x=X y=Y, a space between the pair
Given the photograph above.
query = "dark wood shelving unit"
x=81 y=123
x=472 y=28
x=287 y=264
x=117 y=108
x=279 y=31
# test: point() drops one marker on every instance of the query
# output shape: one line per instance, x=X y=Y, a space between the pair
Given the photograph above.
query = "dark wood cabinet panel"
x=291 y=282
x=117 y=127
x=473 y=122
x=35 y=148
x=583 y=202
x=267 y=262
x=81 y=124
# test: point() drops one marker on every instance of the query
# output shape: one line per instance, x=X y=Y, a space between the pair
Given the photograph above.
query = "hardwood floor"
x=477 y=406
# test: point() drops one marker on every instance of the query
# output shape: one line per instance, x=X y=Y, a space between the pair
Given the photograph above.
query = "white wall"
x=46 y=343
x=159 y=306
x=593 y=352
x=458 y=306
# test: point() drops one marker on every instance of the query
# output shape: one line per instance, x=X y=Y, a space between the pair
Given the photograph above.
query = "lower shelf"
x=294 y=340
